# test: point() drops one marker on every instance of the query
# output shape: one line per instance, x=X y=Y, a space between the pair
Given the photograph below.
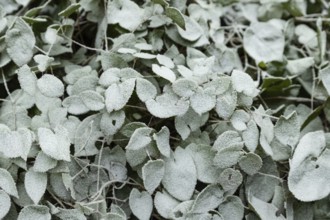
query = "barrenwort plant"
x=156 y=109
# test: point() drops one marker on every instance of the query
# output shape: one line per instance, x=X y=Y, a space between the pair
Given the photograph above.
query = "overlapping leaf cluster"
x=160 y=109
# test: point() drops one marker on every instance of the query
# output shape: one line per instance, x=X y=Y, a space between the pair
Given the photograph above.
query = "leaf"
x=325 y=77
x=5 y=204
x=202 y=102
x=146 y=56
x=226 y=104
x=43 y=163
x=242 y=82
x=287 y=130
x=251 y=136
x=208 y=199
x=56 y=145
x=264 y=41
x=72 y=214
x=265 y=210
x=69 y=10
x=43 y=61
x=226 y=139
x=230 y=179
x=111 y=122
x=93 y=100
x=35 y=185
x=164 y=72
x=161 y=2
x=152 y=174
x=228 y=156
x=203 y=157
x=309 y=168
x=75 y=105
x=145 y=89
x=299 y=66
x=27 y=79
x=192 y=31
x=50 y=86
x=165 y=61
x=162 y=139
x=20 y=42
x=126 y=13
x=176 y=16
x=239 y=120
x=180 y=175
x=7 y=183
x=117 y=95
x=35 y=212
x=141 y=204
x=140 y=138
x=232 y=208
x=250 y=163
x=165 y=203
x=184 y=87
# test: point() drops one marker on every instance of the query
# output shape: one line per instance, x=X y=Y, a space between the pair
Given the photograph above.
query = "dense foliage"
x=158 y=109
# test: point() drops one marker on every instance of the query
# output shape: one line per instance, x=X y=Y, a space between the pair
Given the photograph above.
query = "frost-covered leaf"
x=75 y=105
x=192 y=30
x=50 y=86
x=146 y=56
x=43 y=163
x=242 y=82
x=93 y=100
x=287 y=130
x=208 y=199
x=226 y=103
x=299 y=66
x=27 y=79
x=5 y=204
x=152 y=174
x=35 y=212
x=226 y=139
x=184 y=87
x=251 y=136
x=250 y=163
x=111 y=122
x=325 y=77
x=56 y=145
x=145 y=89
x=162 y=139
x=141 y=204
x=176 y=16
x=309 y=168
x=202 y=102
x=228 y=156
x=165 y=61
x=232 y=208
x=72 y=214
x=164 y=72
x=180 y=175
x=140 y=138
x=165 y=203
x=35 y=185
x=230 y=179
x=20 y=42
x=7 y=183
x=117 y=95
x=265 y=210
x=264 y=41
x=239 y=120
x=126 y=13
x=43 y=61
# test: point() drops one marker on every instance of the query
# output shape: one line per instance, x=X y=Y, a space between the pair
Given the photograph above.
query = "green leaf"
x=141 y=204
x=145 y=89
x=35 y=185
x=162 y=139
x=69 y=10
x=309 y=168
x=180 y=175
x=50 y=86
x=5 y=204
x=36 y=212
x=152 y=174
x=230 y=179
x=208 y=199
x=232 y=208
x=176 y=16
x=7 y=183
x=264 y=41
x=93 y=100
x=56 y=145
x=315 y=113
x=161 y=2
x=250 y=163
x=20 y=42
x=140 y=138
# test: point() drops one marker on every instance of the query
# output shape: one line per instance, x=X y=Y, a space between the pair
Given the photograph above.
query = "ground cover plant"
x=155 y=109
